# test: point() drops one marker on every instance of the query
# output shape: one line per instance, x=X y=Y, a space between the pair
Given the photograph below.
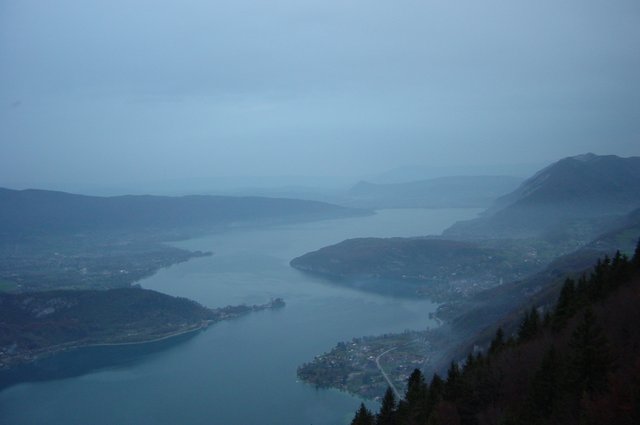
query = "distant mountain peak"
x=585 y=157
x=576 y=176
x=577 y=187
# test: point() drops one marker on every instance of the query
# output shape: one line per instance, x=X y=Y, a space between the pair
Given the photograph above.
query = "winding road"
x=386 y=377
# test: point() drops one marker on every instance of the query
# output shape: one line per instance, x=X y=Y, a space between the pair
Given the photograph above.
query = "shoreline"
x=28 y=358
x=200 y=327
x=220 y=314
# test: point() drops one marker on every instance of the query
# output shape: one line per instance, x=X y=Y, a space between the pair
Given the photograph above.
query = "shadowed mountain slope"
x=31 y=211
x=581 y=191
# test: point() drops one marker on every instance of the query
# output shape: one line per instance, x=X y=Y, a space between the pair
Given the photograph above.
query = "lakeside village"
x=355 y=366
x=81 y=271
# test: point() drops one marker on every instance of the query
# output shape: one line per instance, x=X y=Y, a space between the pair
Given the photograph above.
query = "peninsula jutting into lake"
x=39 y=324
x=446 y=194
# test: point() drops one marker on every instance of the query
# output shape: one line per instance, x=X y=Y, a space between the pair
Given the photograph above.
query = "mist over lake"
x=319 y=212
x=209 y=377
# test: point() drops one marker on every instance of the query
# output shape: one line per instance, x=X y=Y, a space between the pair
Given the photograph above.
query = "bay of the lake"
x=241 y=371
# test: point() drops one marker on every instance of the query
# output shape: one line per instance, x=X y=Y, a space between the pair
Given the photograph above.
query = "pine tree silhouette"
x=387 y=414
x=590 y=359
x=363 y=416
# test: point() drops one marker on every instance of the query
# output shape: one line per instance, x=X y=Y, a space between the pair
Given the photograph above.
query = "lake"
x=242 y=371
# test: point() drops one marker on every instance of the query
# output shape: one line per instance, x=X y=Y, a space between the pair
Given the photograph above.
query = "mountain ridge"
x=35 y=210
x=582 y=187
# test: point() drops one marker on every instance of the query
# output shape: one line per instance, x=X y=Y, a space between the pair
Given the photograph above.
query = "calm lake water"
x=243 y=371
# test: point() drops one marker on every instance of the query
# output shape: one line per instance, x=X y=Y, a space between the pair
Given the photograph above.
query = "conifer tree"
x=416 y=387
x=620 y=270
x=470 y=362
x=565 y=305
x=363 y=416
x=530 y=325
x=534 y=321
x=546 y=385
x=590 y=359
x=581 y=291
x=453 y=384
x=435 y=393
x=636 y=255
x=599 y=278
x=498 y=342
x=415 y=398
x=387 y=414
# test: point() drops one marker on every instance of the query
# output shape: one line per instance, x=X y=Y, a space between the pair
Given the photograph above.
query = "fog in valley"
x=330 y=212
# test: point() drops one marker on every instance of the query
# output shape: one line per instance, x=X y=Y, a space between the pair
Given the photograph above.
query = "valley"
x=481 y=281
x=381 y=281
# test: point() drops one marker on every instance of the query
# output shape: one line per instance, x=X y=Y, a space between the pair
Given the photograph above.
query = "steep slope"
x=577 y=194
x=577 y=363
x=556 y=212
x=471 y=322
x=542 y=288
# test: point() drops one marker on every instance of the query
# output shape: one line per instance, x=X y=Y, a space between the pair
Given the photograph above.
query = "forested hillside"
x=575 y=363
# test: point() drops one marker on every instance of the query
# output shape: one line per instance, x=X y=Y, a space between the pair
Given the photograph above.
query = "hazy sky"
x=114 y=91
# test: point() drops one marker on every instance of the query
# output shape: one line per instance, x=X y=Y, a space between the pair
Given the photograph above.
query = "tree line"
x=575 y=363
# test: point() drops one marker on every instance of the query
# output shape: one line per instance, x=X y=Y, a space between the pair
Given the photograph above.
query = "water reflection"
x=80 y=361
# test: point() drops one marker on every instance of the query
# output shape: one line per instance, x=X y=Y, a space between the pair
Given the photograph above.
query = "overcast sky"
x=130 y=91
